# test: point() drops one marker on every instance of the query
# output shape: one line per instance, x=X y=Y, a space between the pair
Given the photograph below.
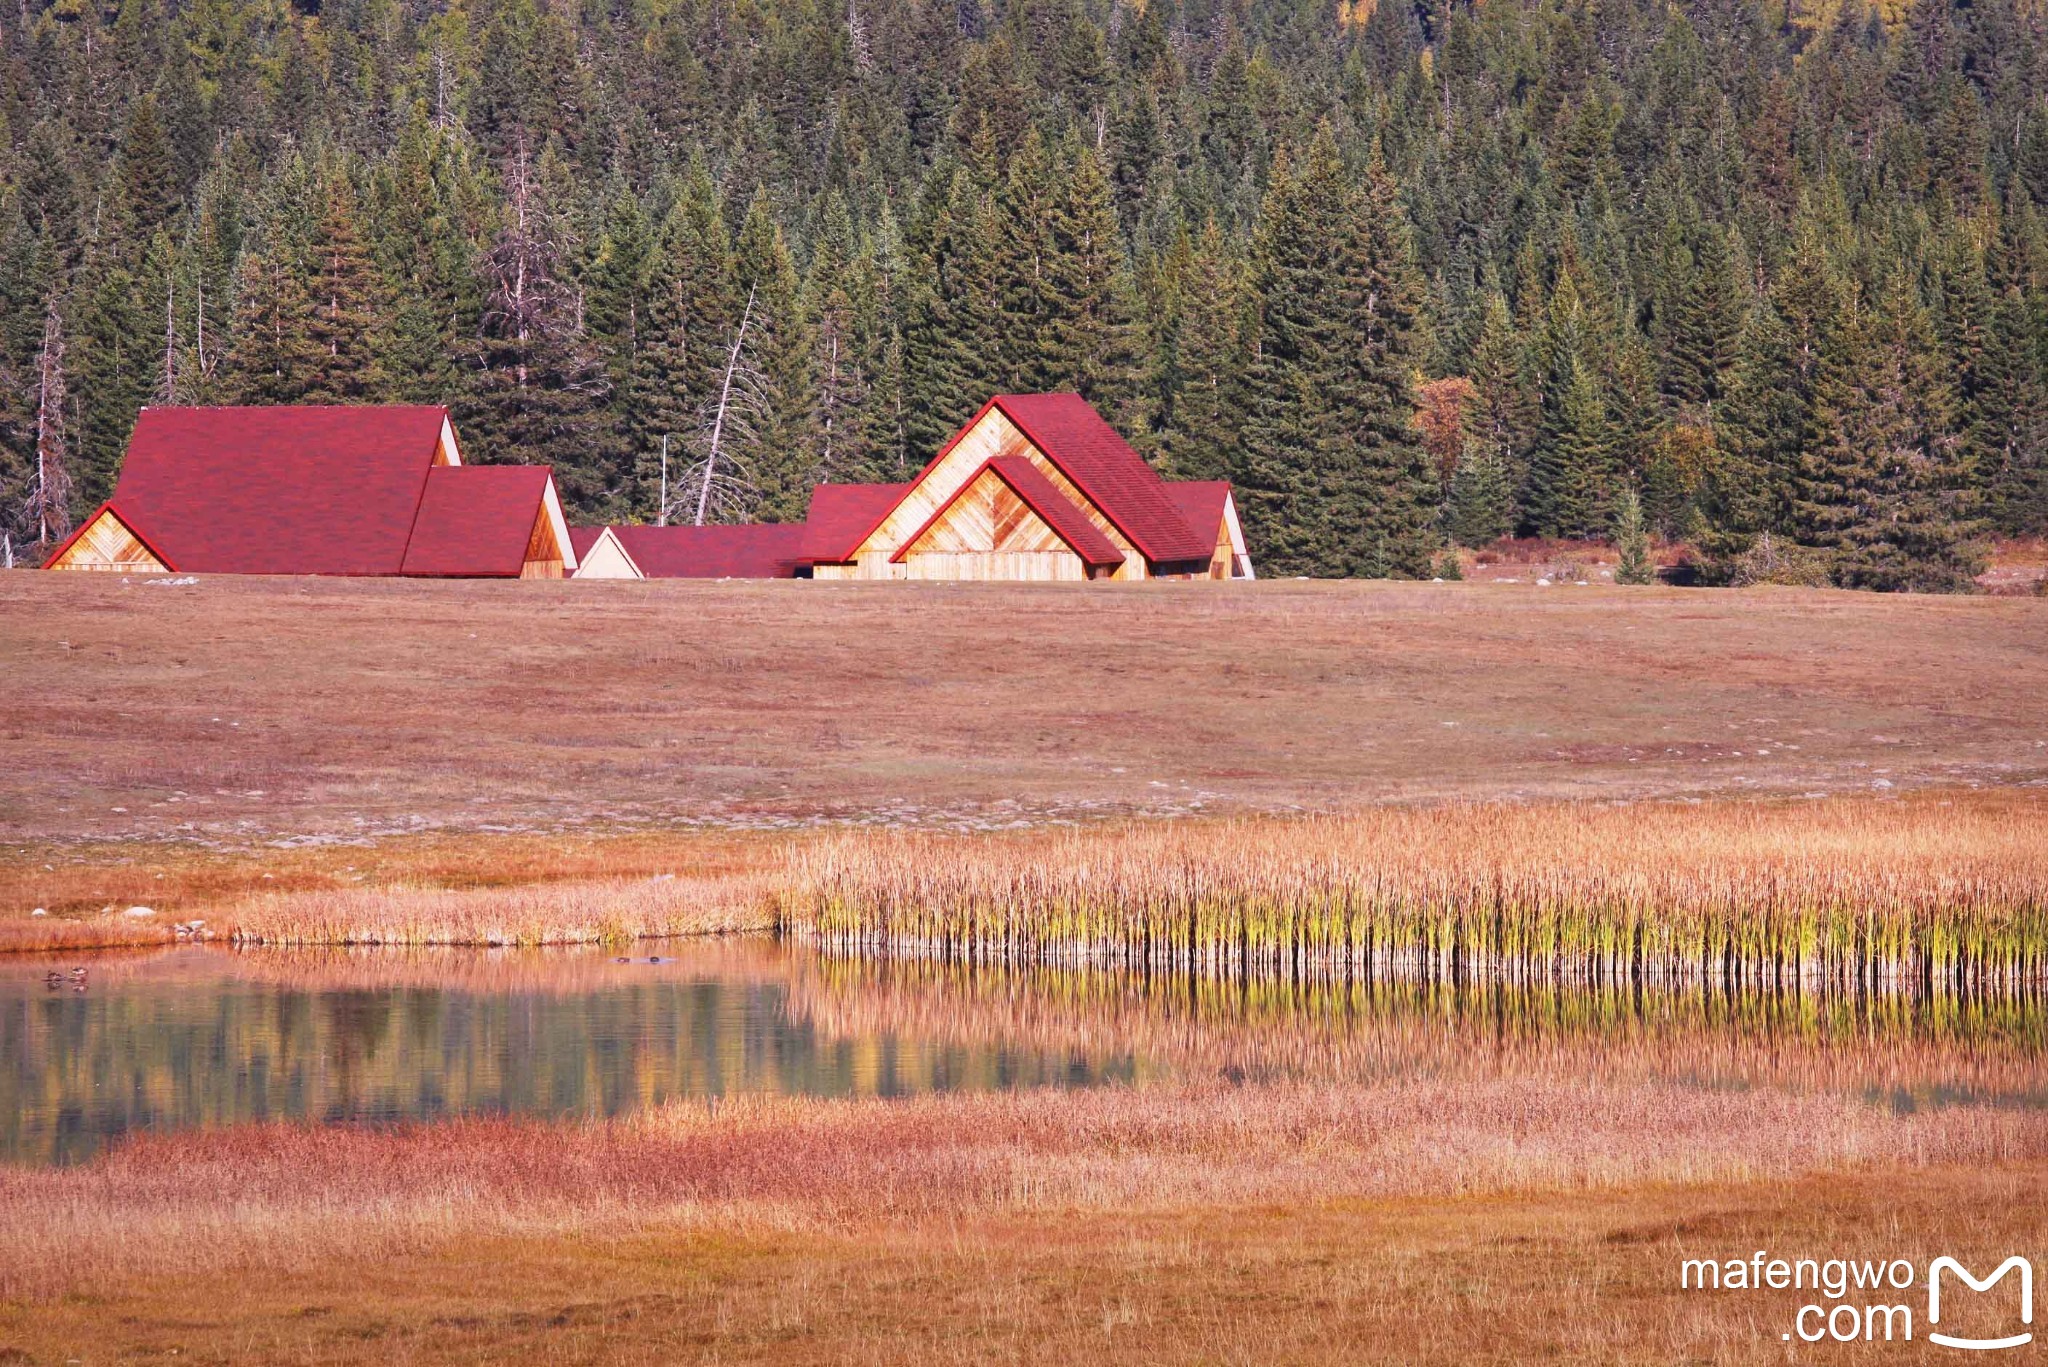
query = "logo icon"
x=2026 y=1271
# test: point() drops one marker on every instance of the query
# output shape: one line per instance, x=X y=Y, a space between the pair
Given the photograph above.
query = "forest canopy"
x=1766 y=280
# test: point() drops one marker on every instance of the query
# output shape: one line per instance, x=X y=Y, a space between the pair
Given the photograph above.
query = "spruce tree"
x=1878 y=491
x=1571 y=488
x=690 y=310
x=349 y=305
x=1209 y=355
x=537 y=388
x=274 y=357
x=1632 y=539
x=784 y=452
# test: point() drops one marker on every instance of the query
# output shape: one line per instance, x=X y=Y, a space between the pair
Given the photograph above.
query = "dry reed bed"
x=1932 y=894
x=1903 y=1046
x=271 y=1198
x=610 y=912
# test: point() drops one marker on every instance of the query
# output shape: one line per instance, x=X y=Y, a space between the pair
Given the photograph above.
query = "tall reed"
x=1929 y=895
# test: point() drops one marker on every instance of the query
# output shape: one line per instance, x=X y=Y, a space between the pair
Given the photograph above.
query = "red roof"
x=1043 y=497
x=844 y=515
x=760 y=551
x=1105 y=468
x=94 y=516
x=475 y=520
x=296 y=489
x=583 y=538
x=1201 y=502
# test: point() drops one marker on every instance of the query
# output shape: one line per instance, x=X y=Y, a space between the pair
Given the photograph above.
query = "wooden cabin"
x=318 y=489
x=758 y=551
x=1033 y=487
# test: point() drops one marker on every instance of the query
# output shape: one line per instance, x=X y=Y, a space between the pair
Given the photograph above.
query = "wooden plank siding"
x=990 y=533
x=107 y=546
x=543 y=552
x=995 y=435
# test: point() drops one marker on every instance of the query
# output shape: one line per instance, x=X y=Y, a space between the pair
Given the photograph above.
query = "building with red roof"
x=318 y=489
x=1034 y=486
x=772 y=550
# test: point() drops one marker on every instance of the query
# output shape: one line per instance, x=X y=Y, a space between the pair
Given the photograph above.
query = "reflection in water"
x=1900 y=1049
x=199 y=1037
x=204 y=1037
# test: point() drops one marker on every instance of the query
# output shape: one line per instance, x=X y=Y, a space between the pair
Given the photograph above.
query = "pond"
x=207 y=1037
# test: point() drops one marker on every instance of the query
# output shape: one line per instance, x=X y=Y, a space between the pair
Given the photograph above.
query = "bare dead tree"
x=857 y=38
x=724 y=484
x=49 y=502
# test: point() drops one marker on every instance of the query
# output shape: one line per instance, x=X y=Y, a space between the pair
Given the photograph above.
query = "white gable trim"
x=447 y=451
x=1238 y=553
x=552 y=506
x=608 y=547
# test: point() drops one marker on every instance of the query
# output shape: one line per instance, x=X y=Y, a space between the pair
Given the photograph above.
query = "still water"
x=205 y=1037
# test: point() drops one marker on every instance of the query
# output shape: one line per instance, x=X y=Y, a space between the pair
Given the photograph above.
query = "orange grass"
x=1585 y=1276
x=1935 y=893
x=258 y=1200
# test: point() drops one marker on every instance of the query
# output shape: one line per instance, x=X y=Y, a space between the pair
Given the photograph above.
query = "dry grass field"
x=256 y=710
x=306 y=762
x=1402 y=1222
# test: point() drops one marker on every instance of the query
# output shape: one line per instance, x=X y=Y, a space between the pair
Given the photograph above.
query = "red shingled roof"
x=285 y=490
x=844 y=515
x=583 y=538
x=761 y=551
x=475 y=520
x=1201 y=503
x=1044 y=498
x=94 y=516
x=1113 y=476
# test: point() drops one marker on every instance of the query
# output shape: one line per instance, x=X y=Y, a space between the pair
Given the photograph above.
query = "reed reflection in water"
x=1903 y=1049
x=203 y=1037
x=200 y=1037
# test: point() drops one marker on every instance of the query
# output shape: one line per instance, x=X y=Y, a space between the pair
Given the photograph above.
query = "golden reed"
x=1924 y=894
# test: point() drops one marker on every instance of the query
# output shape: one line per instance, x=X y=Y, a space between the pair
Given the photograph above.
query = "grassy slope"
x=251 y=709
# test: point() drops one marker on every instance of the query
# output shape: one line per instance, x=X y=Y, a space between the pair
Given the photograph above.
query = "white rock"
x=40 y=911
x=140 y=911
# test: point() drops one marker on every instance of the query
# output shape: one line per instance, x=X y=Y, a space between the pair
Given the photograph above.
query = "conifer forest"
x=1768 y=281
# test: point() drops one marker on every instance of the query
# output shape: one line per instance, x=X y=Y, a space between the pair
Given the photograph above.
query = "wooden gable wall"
x=995 y=435
x=990 y=533
x=106 y=544
x=543 y=551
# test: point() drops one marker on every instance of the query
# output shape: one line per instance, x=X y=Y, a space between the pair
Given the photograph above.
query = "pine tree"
x=689 y=316
x=536 y=392
x=1334 y=474
x=1571 y=484
x=785 y=454
x=47 y=511
x=1632 y=538
x=1573 y=467
x=952 y=332
x=1209 y=354
x=1505 y=413
x=1481 y=507
x=147 y=175
x=274 y=357
x=112 y=371
x=1087 y=339
x=349 y=305
x=1701 y=335
x=2008 y=424
x=1878 y=491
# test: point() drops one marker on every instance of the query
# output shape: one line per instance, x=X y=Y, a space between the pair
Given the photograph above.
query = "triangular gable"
x=108 y=541
x=603 y=556
x=991 y=436
x=1008 y=506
